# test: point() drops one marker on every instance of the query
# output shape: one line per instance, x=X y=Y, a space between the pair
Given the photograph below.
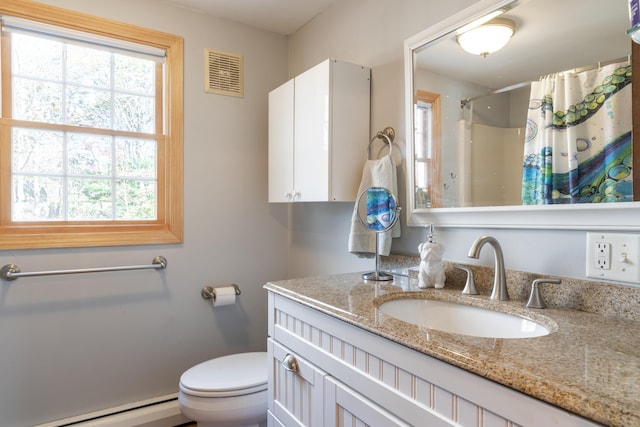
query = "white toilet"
x=229 y=391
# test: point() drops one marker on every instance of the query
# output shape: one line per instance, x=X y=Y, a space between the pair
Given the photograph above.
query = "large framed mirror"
x=469 y=120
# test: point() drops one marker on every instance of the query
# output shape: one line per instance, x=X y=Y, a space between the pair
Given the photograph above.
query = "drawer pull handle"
x=290 y=363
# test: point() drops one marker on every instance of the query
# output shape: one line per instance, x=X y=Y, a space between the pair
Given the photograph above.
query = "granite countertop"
x=589 y=366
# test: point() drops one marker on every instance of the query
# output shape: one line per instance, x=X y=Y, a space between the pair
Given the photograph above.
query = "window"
x=427 y=150
x=90 y=131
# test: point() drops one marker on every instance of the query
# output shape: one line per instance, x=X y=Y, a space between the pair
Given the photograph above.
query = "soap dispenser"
x=431 y=273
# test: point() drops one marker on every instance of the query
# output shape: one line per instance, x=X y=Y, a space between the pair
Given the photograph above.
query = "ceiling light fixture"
x=487 y=38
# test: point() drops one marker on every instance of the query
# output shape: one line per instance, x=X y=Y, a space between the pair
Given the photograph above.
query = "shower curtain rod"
x=600 y=64
x=464 y=102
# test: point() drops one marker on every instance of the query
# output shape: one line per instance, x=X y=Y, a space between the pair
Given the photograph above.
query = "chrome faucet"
x=499 y=291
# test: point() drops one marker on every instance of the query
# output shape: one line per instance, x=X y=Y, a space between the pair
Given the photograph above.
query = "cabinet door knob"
x=290 y=363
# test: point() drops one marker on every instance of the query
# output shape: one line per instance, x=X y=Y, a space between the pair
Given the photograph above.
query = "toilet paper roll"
x=224 y=296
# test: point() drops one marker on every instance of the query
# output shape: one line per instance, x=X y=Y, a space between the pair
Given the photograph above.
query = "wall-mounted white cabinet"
x=318 y=134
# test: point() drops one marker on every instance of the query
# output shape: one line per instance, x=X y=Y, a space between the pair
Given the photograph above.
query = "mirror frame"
x=616 y=217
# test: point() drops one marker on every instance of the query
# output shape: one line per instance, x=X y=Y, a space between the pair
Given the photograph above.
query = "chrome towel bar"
x=12 y=271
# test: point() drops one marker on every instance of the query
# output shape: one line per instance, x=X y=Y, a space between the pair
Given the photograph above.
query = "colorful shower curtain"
x=578 y=138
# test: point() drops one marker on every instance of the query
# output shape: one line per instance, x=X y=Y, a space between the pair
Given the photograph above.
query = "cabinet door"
x=273 y=421
x=311 y=134
x=345 y=407
x=281 y=143
x=295 y=389
x=350 y=96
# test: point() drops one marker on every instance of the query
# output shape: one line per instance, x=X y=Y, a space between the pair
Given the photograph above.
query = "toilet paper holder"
x=208 y=291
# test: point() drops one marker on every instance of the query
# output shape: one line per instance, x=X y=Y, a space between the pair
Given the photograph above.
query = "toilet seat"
x=232 y=375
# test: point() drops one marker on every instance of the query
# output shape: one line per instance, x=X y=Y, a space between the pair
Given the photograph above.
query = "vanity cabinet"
x=318 y=133
x=327 y=372
x=304 y=395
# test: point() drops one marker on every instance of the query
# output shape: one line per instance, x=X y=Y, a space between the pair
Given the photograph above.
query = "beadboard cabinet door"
x=281 y=143
x=344 y=407
x=305 y=396
x=297 y=389
x=318 y=134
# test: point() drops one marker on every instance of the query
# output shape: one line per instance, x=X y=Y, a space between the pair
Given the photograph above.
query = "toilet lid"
x=234 y=374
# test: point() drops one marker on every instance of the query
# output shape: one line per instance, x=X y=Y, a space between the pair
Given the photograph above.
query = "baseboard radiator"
x=161 y=411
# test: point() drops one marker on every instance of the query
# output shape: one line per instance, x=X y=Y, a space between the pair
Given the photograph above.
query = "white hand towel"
x=362 y=241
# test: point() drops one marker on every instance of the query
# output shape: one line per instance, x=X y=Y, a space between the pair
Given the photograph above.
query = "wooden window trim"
x=434 y=185
x=168 y=228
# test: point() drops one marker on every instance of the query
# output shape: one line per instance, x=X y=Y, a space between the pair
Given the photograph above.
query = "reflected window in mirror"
x=427 y=150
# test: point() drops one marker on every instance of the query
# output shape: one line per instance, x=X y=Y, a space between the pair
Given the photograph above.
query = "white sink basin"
x=462 y=319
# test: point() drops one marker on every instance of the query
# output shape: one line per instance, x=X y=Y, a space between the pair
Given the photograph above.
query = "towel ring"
x=387 y=135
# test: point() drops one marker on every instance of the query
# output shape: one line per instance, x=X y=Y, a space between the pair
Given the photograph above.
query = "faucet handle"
x=535 y=298
x=470 y=285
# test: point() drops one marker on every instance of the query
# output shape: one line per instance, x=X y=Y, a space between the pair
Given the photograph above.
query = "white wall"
x=73 y=344
x=371 y=32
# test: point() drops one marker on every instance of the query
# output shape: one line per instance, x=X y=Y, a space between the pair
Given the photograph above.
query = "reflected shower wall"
x=493 y=156
x=491 y=138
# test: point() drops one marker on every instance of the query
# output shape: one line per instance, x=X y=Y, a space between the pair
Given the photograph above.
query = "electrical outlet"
x=614 y=256
x=603 y=256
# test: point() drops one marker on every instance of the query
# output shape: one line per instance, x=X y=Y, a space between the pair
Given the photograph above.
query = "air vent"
x=223 y=73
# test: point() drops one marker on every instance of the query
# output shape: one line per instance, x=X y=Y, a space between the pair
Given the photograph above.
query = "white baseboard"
x=158 y=412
